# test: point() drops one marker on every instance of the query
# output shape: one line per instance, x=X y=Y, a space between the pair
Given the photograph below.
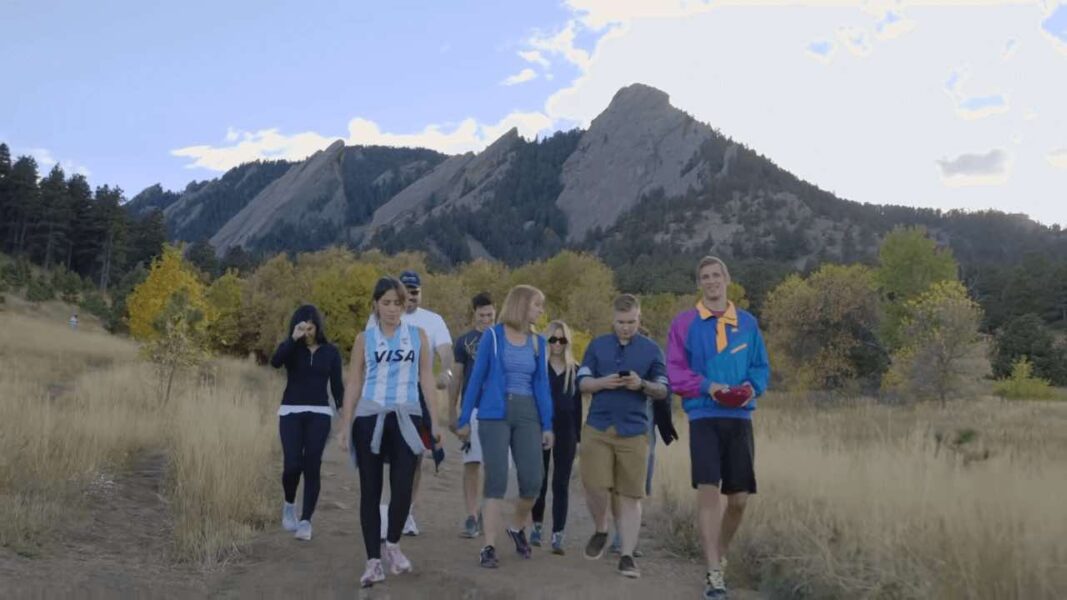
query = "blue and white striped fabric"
x=391 y=367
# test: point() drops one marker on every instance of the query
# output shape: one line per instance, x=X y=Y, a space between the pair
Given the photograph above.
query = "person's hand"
x=548 y=440
x=611 y=382
x=464 y=433
x=342 y=439
x=299 y=331
x=632 y=382
x=715 y=388
x=452 y=423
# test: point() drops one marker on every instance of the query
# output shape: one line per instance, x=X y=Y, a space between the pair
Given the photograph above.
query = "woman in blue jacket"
x=509 y=387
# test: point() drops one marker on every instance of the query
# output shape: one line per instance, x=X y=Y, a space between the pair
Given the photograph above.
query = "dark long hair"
x=384 y=285
x=308 y=312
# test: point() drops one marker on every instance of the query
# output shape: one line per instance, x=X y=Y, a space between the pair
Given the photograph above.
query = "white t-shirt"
x=427 y=320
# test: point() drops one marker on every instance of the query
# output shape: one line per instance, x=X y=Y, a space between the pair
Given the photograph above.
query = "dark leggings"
x=402 y=464
x=304 y=438
x=563 y=453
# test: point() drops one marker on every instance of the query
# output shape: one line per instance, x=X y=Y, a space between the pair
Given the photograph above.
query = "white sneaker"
x=289 y=516
x=409 y=526
x=374 y=573
x=398 y=563
x=303 y=531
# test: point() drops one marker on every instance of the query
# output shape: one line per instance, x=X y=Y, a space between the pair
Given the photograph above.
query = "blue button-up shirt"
x=623 y=408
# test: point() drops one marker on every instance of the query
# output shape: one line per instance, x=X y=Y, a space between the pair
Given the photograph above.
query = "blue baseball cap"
x=410 y=279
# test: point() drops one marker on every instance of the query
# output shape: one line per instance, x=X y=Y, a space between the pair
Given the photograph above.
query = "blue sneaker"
x=535 y=535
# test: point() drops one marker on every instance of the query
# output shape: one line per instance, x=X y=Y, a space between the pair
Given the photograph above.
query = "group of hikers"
x=514 y=401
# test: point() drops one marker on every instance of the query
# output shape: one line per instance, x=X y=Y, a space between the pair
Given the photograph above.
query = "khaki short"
x=609 y=461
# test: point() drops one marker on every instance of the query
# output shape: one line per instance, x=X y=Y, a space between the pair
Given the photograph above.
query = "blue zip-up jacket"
x=486 y=389
x=694 y=363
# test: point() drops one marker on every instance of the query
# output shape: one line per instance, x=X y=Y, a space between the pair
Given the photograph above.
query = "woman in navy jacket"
x=509 y=387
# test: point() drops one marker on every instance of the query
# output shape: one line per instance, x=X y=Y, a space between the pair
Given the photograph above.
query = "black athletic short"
x=723 y=451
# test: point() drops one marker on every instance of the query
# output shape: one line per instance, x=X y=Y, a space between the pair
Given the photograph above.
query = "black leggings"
x=402 y=465
x=304 y=438
x=563 y=452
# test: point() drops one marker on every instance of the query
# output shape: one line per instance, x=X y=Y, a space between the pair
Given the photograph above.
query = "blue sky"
x=928 y=103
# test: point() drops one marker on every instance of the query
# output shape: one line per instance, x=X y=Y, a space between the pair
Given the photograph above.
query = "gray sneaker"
x=289 y=520
x=535 y=535
x=557 y=543
x=595 y=548
x=714 y=586
x=470 y=528
x=303 y=531
x=628 y=568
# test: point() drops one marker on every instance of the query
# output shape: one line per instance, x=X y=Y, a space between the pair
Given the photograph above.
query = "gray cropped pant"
x=520 y=431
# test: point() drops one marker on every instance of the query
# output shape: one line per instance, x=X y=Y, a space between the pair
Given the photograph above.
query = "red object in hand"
x=734 y=397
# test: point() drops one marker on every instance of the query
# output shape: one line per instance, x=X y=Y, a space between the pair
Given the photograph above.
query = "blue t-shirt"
x=519 y=367
x=626 y=409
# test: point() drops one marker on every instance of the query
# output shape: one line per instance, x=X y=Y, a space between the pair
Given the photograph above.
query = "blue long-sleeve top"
x=487 y=388
x=309 y=373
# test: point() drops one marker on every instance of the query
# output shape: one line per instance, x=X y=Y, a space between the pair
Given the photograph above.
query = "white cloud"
x=1010 y=48
x=1058 y=158
x=822 y=50
x=1054 y=26
x=271 y=144
x=991 y=168
x=45 y=162
x=972 y=107
x=893 y=25
x=533 y=56
x=856 y=39
x=562 y=44
x=521 y=77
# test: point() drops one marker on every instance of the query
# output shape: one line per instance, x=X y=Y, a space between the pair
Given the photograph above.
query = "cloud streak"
x=991 y=168
x=1058 y=158
x=521 y=77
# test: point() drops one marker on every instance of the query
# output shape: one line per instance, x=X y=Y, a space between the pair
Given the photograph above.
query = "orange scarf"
x=728 y=318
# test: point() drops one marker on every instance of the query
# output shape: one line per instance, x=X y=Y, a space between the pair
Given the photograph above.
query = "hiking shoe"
x=289 y=520
x=522 y=547
x=595 y=548
x=714 y=586
x=398 y=563
x=303 y=531
x=535 y=535
x=410 y=528
x=628 y=568
x=470 y=528
x=374 y=573
x=488 y=558
x=557 y=543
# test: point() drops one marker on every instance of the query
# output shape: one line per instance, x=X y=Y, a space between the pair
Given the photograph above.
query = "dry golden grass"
x=79 y=406
x=868 y=501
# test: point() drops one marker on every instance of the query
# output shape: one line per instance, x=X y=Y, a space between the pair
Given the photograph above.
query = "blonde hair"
x=516 y=309
x=712 y=260
x=571 y=369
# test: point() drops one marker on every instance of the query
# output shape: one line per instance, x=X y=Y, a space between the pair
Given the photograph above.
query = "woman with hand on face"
x=312 y=365
x=567 y=426
x=509 y=388
x=390 y=362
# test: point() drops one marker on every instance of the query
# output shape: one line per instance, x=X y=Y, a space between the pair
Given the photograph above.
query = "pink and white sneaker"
x=398 y=563
x=373 y=574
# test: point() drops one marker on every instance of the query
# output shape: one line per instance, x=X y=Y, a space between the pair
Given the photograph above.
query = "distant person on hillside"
x=509 y=388
x=312 y=366
x=567 y=426
x=391 y=362
x=441 y=343
x=718 y=364
x=73 y=321
x=621 y=370
x=465 y=353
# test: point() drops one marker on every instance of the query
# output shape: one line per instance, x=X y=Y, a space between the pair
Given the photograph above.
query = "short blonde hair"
x=712 y=260
x=626 y=303
x=516 y=309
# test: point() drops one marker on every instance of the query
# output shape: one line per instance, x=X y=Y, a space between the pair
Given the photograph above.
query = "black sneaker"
x=488 y=558
x=628 y=568
x=595 y=548
x=522 y=547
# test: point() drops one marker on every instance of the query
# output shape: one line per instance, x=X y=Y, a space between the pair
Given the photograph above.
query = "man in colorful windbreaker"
x=717 y=363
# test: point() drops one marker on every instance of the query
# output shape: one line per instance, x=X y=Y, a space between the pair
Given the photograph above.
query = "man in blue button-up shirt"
x=621 y=370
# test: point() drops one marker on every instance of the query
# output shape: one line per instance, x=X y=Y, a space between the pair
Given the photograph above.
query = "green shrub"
x=17 y=273
x=39 y=290
x=67 y=284
x=95 y=304
x=1022 y=385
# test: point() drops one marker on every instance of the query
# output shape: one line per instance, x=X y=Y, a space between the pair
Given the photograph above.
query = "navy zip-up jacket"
x=487 y=387
x=309 y=373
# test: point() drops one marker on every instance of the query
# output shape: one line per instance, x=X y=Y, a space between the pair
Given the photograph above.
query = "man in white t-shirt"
x=441 y=340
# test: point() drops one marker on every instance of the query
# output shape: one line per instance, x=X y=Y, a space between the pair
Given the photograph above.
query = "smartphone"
x=624 y=373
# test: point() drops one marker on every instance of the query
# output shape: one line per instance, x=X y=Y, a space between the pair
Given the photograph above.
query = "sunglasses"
x=413 y=291
x=557 y=340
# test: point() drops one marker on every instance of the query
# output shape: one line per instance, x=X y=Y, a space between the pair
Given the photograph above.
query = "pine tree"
x=24 y=202
x=56 y=216
x=84 y=241
x=110 y=219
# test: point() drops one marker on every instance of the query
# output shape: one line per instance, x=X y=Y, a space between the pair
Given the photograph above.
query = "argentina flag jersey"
x=391 y=368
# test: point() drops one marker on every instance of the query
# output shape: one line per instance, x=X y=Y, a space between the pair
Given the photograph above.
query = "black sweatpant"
x=304 y=438
x=563 y=456
x=402 y=464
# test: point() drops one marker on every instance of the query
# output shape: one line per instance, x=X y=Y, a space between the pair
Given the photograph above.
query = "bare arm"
x=454 y=391
x=444 y=353
x=426 y=380
x=353 y=389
